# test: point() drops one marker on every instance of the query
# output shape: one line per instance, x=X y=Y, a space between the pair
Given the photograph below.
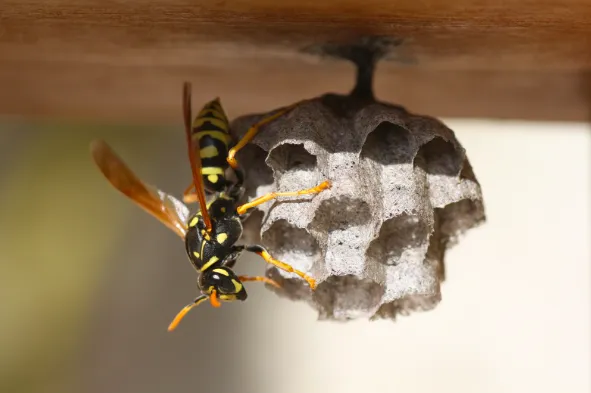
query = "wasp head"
x=224 y=282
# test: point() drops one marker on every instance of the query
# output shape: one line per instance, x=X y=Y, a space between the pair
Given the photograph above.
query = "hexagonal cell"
x=340 y=213
x=389 y=144
x=290 y=288
x=456 y=218
x=441 y=157
x=397 y=234
x=347 y=297
x=292 y=244
x=289 y=157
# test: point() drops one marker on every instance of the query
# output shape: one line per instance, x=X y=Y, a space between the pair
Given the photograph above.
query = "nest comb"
x=402 y=193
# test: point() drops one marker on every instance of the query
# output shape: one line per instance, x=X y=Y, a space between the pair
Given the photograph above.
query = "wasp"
x=210 y=235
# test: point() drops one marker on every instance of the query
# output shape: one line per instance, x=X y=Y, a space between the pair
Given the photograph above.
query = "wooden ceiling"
x=125 y=61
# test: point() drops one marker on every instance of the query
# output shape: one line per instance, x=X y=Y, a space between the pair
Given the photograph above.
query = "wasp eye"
x=226 y=285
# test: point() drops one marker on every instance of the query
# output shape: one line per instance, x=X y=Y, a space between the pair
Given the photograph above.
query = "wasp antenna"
x=175 y=322
x=195 y=164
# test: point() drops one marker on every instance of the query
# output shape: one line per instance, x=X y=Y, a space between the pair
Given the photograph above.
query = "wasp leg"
x=259 y=278
x=189 y=196
x=265 y=198
x=260 y=250
x=253 y=130
x=232 y=257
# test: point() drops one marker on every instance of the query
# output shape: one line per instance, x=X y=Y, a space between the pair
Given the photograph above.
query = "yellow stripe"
x=194 y=221
x=202 y=248
x=209 y=152
x=213 y=120
x=212 y=170
x=221 y=271
x=221 y=136
x=216 y=110
x=211 y=261
x=237 y=285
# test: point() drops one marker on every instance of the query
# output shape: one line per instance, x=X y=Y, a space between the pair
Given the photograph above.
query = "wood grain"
x=126 y=60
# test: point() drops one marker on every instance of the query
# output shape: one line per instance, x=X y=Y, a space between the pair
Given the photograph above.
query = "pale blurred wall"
x=88 y=282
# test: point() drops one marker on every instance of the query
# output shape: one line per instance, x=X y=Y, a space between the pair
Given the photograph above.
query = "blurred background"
x=89 y=282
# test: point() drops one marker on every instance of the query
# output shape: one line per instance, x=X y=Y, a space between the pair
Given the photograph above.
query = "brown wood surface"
x=126 y=60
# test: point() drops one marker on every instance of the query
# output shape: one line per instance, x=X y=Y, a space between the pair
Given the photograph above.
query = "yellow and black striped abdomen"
x=211 y=130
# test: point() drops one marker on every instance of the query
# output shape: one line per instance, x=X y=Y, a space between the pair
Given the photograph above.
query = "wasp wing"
x=194 y=161
x=170 y=211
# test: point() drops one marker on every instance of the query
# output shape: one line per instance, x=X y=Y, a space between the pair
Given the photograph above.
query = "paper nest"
x=402 y=192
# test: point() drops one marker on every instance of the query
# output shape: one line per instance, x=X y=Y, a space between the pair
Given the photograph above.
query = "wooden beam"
x=125 y=61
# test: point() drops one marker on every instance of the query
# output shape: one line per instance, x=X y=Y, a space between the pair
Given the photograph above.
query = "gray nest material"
x=402 y=192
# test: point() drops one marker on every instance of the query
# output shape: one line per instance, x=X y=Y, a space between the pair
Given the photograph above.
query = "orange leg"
x=266 y=198
x=253 y=130
x=259 y=278
x=260 y=250
x=189 y=196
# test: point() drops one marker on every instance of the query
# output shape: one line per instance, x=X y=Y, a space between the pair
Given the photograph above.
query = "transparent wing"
x=174 y=205
x=170 y=211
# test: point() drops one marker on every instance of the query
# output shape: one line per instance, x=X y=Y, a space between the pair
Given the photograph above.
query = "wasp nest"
x=402 y=191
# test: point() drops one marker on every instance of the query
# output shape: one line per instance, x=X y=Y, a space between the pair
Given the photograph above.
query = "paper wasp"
x=211 y=234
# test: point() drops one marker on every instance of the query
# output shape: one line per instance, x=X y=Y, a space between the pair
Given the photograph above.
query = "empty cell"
x=396 y=235
x=288 y=157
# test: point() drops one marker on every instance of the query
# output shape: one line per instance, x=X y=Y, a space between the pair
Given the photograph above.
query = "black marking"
x=213 y=112
x=209 y=126
x=218 y=161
